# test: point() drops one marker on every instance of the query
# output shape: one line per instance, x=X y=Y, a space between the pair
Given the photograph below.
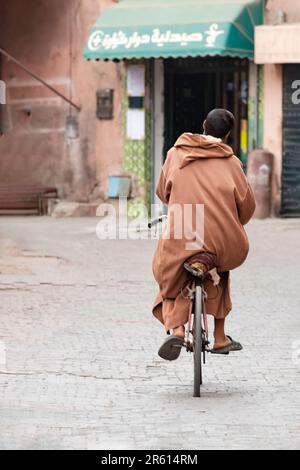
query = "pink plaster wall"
x=290 y=7
x=273 y=116
x=273 y=99
x=48 y=36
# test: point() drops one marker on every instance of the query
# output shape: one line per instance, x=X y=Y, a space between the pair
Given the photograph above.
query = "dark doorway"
x=196 y=86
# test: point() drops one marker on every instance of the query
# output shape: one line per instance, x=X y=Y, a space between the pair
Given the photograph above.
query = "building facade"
x=278 y=51
x=152 y=72
x=179 y=61
x=48 y=141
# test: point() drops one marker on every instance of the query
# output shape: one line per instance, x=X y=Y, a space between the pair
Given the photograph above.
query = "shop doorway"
x=291 y=144
x=193 y=87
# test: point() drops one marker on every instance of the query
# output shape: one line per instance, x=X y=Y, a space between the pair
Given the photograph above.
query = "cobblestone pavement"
x=78 y=346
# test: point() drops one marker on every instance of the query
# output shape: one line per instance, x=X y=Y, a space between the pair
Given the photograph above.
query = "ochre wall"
x=273 y=121
x=48 y=36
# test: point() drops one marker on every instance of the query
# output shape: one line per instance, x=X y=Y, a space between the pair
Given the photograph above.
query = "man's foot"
x=171 y=348
x=229 y=345
x=223 y=343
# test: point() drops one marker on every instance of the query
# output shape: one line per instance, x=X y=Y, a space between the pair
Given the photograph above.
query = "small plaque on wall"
x=105 y=104
x=136 y=125
x=136 y=85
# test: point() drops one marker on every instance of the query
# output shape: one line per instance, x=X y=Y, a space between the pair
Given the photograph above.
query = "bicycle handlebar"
x=157 y=221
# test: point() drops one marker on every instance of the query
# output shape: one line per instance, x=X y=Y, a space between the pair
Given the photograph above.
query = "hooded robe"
x=201 y=172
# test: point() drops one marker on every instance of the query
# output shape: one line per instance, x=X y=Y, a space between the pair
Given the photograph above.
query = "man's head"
x=219 y=123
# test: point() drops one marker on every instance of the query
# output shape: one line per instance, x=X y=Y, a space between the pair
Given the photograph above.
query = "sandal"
x=171 y=348
x=234 y=346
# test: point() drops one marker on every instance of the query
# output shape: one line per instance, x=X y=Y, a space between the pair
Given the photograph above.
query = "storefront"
x=278 y=51
x=193 y=87
x=182 y=59
x=291 y=141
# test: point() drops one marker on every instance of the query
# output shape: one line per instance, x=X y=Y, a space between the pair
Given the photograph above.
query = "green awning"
x=175 y=28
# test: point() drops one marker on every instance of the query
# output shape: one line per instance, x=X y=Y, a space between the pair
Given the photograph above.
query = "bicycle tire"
x=198 y=342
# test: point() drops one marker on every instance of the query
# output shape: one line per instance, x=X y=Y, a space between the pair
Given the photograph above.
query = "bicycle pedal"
x=188 y=347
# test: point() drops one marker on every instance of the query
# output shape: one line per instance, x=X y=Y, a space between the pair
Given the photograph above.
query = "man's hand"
x=215 y=277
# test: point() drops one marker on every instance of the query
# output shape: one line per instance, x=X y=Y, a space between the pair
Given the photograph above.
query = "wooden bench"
x=25 y=199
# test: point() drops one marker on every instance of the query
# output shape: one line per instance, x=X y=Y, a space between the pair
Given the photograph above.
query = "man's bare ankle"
x=221 y=342
x=220 y=338
x=179 y=331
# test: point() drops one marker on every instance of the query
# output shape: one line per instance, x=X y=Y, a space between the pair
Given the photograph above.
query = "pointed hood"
x=202 y=146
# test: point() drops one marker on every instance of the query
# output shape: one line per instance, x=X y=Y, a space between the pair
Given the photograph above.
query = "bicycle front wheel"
x=198 y=338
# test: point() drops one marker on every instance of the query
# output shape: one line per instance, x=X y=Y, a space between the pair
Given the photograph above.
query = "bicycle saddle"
x=194 y=272
x=199 y=265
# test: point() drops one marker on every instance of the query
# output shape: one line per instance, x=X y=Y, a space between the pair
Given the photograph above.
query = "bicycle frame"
x=192 y=290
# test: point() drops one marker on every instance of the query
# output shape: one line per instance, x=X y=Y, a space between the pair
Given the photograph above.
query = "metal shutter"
x=291 y=145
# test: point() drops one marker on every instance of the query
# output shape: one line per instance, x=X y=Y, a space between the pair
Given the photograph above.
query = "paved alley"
x=78 y=346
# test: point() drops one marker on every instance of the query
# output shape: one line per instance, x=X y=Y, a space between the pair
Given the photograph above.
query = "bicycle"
x=196 y=339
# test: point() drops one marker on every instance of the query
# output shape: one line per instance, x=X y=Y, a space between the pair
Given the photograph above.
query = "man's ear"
x=225 y=139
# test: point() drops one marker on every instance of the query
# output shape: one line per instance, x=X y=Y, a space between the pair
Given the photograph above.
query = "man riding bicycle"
x=201 y=170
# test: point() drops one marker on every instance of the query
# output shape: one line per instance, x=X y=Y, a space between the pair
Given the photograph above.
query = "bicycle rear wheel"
x=198 y=342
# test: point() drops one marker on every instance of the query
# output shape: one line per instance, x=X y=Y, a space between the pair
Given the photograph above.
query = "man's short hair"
x=219 y=123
